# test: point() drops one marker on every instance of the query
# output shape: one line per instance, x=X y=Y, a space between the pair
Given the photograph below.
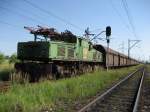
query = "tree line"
x=11 y=59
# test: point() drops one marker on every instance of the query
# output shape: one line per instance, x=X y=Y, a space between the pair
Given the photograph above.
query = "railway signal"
x=108 y=33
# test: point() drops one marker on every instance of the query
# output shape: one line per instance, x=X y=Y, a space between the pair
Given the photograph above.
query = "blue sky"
x=95 y=14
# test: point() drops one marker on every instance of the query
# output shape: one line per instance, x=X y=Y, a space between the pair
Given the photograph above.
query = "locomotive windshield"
x=50 y=34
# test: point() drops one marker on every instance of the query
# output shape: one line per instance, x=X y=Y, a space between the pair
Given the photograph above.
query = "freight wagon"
x=116 y=59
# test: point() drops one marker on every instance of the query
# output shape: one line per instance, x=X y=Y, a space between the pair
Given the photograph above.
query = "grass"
x=57 y=95
x=5 y=70
x=148 y=67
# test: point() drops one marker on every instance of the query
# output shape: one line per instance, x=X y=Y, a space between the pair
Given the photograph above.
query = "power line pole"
x=88 y=34
x=108 y=41
x=131 y=45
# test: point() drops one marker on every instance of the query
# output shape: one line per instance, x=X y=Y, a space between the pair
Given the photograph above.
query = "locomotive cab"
x=48 y=45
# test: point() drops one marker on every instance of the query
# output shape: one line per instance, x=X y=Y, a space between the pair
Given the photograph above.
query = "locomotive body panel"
x=33 y=50
x=58 y=50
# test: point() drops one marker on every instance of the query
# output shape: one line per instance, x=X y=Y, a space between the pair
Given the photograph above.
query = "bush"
x=5 y=74
x=13 y=58
x=2 y=58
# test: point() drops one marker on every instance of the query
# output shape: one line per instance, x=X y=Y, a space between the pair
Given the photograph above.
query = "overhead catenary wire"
x=95 y=30
x=32 y=15
x=128 y=13
x=53 y=15
x=120 y=16
x=21 y=15
x=35 y=15
x=11 y=25
x=125 y=6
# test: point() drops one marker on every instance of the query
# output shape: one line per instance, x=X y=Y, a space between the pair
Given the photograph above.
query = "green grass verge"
x=48 y=94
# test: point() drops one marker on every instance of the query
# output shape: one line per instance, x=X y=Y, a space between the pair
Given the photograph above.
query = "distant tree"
x=2 y=58
x=6 y=57
x=13 y=58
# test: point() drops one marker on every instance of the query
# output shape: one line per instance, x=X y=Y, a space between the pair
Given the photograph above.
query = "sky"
x=129 y=19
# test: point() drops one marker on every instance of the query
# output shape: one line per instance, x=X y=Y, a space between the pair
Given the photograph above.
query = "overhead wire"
x=97 y=29
x=53 y=15
x=120 y=16
x=21 y=15
x=32 y=15
x=9 y=24
x=125 y=5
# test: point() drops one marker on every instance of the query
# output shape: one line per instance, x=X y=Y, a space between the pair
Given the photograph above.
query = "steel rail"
x=138 y=93
x=108 y=91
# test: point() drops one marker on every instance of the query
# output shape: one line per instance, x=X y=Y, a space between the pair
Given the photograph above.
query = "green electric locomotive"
x=54 y=54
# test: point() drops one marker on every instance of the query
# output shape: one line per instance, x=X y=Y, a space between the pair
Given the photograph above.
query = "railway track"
x=4 y=86
x=144 y=97
x=122 y=97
